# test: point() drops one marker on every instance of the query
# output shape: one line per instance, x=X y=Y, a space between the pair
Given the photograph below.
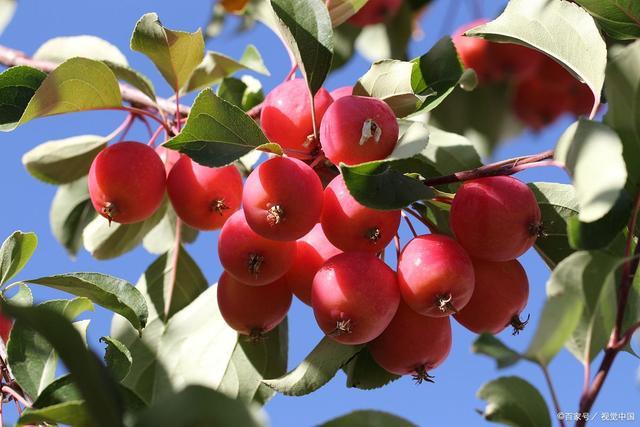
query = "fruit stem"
x=124 y=127
x=552 y=390
x=430 y=225
x=155 y=136
x=408 y=221
x=175 y=256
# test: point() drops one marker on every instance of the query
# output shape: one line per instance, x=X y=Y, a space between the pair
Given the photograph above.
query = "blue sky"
x=451 y=400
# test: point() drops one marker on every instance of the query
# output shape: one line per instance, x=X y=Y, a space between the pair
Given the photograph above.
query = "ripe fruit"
x=581 y=99
x=286 y=115
x=351 y=226
x=412 y=344
x=168 y=157
x=251 y=258
x=357 y=129
x=204 y=197
x=500 y=296
x=435 y=275
x=538 y=104
x=495 y=218
x=513 y=60
x=282 y=199
x=354 y=297
x=341 y=92
x=252 y=310
x=5 y=327
x=375 y=12
x=475 y=52
x=312 y=251
x=127 y=182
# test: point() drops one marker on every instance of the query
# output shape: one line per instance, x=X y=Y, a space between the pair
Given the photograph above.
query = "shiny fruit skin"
x=249 y=257
x=252 y=310
x=168 y=157
x=6 y=323
x=358 y=129
x=475 y=52
x=435 y=275
x=286 y=115
x=412 y=343
x=350 y=226
x=341 y=92
x=500 y=295
x=312 y=251
x=282 y=199
x=127 y=182
x=375 y=12
x=204 y=197
x=354 y=297
x=495 y=218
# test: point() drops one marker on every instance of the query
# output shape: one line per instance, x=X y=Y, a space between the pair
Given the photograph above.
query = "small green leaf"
x=368 y=418
x=592 y=153
x=117 y=357
x=133 y=77
x=364 y=373
x=71 y=211
x=71 y=412
x=176 y=54
x=17 y=87
x=561 y=29
x=65 y=160
x=491 y=346
x=619 y=18
x=7 y=9
x=109 y=292
x=341 y=10
x=217 y=132
x=305 y=26
x=23 y=296
x=106 y=241
x=513 y=401
x=216 y=66
x=60 y=49
x=316 y=369
x=162 y=237
x=197 y=405
x=15 y=252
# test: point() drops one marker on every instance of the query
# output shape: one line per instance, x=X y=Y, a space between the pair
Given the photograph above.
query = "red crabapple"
x=474 y=52
x=354 y=297
x=581 y=99
x=252 y=310
x=286 y=115
x=127 y=182
x=358 y=129
x=6 y=323
x=500 y=296
x=312 y=250
x=204 y=197
x=168 y=157
x=351 y=226
x=412 y=344
x=495 y=218
x=249 y=257
x=513 y=60
x=341 y=92
x=435 y=275
x=375 y=12
x=282 y=199
x=537 y=104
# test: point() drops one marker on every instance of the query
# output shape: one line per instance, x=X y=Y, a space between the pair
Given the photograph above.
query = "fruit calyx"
x=219 y=206
x=275 y=215
x=370 y=129
x=343 y=327
x=517 y=324
x=443 y=302
x=256 y=335
x=422 y=375
x=254 y=263
x=537 y=229
x=109 y=210
x=374 y=234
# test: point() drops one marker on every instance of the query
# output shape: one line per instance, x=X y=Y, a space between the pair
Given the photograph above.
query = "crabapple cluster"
x=542 y=91
x=293 y=228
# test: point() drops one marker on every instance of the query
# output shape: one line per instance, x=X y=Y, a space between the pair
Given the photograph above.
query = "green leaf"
x=344 y=39
x=244 y=93
x=389 y=40
x=557 y=204
x=65 y=160
x=513 y=401
x=623 y=112
x=592 y=153
x=133 y=77
x=383 y=184
x=23 y=296
x=619 y=18
x=106 y=241
x=561 y=29
x=176 y=54
x=31 y=356
x=217 y=132
x=437 y=213
x=162 y=237
x=341 y=10
x=60 y=49
x=305 y=26
x=563 y=308
x=112 y=293
x=193 y=347
x=216 y=66
x=251 y=362
x=390 y=81
x=368 y=418
x=71 y=211
x=316 y=369
x=78 y=84
x=364 y=373
x=117 y=357
x=437 y=73
x=605 y=233
x=15 y=252
x=17 y=87
x=491 y=346
x=7 y=9
x=197 y=405
x=71 y=412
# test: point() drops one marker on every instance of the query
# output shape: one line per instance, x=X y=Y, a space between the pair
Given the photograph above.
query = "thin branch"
x=16 y=396
x=552 y=390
